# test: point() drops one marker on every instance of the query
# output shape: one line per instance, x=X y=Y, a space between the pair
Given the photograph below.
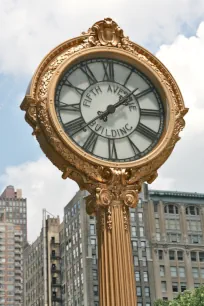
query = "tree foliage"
x=193 y=297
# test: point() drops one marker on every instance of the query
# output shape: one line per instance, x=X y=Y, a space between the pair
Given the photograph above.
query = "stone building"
x=11 y=261
x=42 y=266
x=175 y=229
x=15 y=207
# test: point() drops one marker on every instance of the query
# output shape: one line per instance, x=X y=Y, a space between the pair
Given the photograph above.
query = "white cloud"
x=31 y=28
x=42 y=185
x=184 y=58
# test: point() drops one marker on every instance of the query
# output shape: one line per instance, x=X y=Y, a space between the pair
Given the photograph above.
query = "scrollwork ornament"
x=130 y=198
x=103 y=197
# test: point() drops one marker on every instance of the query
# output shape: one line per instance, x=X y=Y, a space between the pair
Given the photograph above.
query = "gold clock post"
x=113 y=185
x=115 y=261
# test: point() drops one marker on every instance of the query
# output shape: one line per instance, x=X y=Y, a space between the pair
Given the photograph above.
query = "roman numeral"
x=112 y=152
x=128 y=77
x=90 y=142
x=144 y=92
x=133 y=146
x=109 y=71
x=74 y=126
x=87 y=71
x=79 y=90
x=147 y=132
x=69 y=107
x=150 y=112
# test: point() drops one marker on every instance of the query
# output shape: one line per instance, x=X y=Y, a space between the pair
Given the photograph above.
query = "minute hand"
x=124 y=98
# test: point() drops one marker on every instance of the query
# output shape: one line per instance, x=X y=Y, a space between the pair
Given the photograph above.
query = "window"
x=195 y=239
x=143 y=244
x=158 y=236
x=132 y=216
x=95 y=274
x=147 y=292
x=139 y=291
x=139 y=304
x=133 y=231
x=135 y=258
x=95 y=289
x=163 y=285
x=172 y=255
x=175 y=287
x=162 y=271
x=92 y=229
x=192 y=210
x=183 y=287
x=160 y=254
x=137 y=276
x=141 y=231
x=93 y=243
x=173 y=271
x=172 y=224
x=182 y=272
x=140 y=217
x=155 y=206
x=195 y=272
x=171 y=209
x=180 y=255
x=201 y=256
x=134 y=245
x=157 y=223
x=145 y=276
x=202 y=273
x=194 y=225
x=193 y=256
x=174 y=237
x=144 y=261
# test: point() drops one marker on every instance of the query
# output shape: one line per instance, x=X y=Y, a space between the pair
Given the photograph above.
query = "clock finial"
x=106 y=33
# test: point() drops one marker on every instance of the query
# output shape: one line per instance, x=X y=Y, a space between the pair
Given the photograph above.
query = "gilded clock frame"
x=104 y=38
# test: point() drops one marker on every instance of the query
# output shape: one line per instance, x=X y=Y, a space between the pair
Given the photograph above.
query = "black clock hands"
x=112 y=107
x=109 y=110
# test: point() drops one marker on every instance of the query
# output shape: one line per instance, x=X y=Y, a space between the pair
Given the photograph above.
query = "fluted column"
x=116 y=270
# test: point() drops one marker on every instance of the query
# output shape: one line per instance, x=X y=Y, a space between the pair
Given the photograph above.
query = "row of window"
x=176 y=238
x=173 y=209
x=173 y=255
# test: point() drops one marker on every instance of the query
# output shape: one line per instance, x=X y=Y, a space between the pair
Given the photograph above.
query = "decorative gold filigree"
x=109 y=218
x=105 y=33
x=125 y=217
x=130 y=198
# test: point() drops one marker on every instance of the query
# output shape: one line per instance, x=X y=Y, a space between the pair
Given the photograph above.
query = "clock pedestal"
x=115 y=261
x=116 y=270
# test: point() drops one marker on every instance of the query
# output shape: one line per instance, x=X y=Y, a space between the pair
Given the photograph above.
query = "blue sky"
x=172 y=29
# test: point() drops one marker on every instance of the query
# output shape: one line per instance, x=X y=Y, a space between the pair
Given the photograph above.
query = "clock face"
x=110 y=109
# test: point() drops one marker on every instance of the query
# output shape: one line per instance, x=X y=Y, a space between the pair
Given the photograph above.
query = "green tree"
x=193 y=297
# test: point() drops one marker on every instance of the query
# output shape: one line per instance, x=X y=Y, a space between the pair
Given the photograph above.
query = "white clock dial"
x=110 y=109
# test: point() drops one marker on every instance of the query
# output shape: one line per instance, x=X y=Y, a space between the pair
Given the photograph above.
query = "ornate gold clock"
x=107 y=113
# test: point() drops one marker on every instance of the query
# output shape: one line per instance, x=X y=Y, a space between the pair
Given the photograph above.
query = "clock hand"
x=124 y=98
x=109 y=110
x=112 y=107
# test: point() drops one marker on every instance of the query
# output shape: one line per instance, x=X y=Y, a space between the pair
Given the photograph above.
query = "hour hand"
x=103 y=117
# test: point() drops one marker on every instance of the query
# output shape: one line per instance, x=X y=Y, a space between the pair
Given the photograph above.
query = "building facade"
x=81 y=258
x=11 y=263
x=15 y=206
x=42 y=266
x=175 y=229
